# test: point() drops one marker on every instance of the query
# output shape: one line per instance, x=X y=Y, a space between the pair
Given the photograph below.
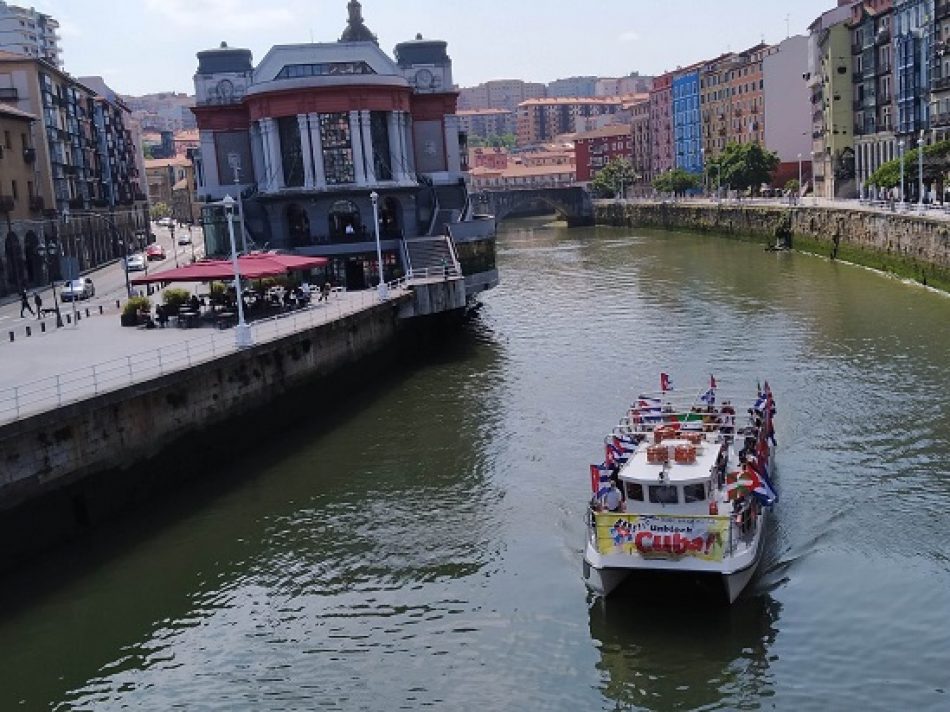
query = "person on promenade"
x=38 y=301
x=25 y=304
x=324 y=293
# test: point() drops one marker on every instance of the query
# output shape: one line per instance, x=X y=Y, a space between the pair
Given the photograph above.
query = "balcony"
x=941 y=84
x=9 y=94
x=29 y=155
x=37 y=204
x=942 y=9
x=6 y=203
x=940 y=120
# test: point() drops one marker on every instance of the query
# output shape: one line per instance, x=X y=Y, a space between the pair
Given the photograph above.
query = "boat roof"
x=637 y=469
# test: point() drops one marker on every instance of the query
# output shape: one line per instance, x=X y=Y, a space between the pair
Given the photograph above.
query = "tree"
x=507 y=140
x=614 y=178
x=936 y=167
x=745 y=165
x=676 y=181
x=160 y=210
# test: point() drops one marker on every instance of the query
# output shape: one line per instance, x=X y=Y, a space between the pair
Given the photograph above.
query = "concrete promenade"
x=97 y=355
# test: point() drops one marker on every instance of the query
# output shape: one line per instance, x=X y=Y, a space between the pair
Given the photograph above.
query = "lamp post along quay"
x=382 y=291
x=900 y=147
x=171 y=231
x=920 y=174
x=799 y=178
x=242 y=332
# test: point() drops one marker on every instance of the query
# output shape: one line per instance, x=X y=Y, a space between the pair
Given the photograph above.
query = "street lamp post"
x=920 y=174
x=799 y=199
x=900 y=147
x=382 y=291
x=46 y=250
x=171 y=230
x=242 y=333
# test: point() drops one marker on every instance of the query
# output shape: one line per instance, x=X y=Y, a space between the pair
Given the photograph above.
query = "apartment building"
x=29 y=33
x=503 y=94
x=661 y=121
x=543 y=120
x=687 y=138
x=17 y=191
x=595 y=149
x=641 y=155
x=483 y=123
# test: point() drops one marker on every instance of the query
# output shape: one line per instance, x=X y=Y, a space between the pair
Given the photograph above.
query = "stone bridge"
x=572 y=204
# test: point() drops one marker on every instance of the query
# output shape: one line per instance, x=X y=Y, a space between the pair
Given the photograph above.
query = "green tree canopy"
x=936 y=166
x=493 y=141
x=676 y=181
x=744 y=165
x=613 y=178
x=160 y=210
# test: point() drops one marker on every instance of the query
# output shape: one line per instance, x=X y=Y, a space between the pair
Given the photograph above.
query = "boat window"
x=635 y=491
x=664 y=494
x=695 y=493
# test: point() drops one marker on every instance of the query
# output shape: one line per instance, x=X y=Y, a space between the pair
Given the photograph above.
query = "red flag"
x=594 y=478
x=712 y=381
x=666 y=383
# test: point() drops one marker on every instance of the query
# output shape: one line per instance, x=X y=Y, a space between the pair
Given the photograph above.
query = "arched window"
x=14 y=261
x=34 y=263
x=299 y=226
x=345 y=222
x=390 y=218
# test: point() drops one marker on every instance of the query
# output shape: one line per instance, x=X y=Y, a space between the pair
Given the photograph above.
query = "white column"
x=306 y=151
x=316 y=143
x=408 y=151
x=395 y=154
x=209 y=159
x=366 y=127
x=357 y=143
x=257 y=155
x=276 y=160
x=453 y=161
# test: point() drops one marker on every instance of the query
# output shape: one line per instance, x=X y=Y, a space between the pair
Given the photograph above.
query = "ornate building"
x=309 y=133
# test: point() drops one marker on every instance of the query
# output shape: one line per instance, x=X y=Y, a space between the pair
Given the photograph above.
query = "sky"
x=145 y=46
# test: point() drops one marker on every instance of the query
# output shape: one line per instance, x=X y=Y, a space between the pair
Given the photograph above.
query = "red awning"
x=251 y=266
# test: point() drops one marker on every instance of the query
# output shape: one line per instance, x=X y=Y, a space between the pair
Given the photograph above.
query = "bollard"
x=78 y=317
x=29 y=331
x=116 y=303
x=11 y=337
x=87 y=312
x=69 y=319
x=100 y=310
x=43 y=327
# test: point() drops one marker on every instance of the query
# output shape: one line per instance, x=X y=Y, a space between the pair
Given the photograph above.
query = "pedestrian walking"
x=38 y=301
x=25 y=304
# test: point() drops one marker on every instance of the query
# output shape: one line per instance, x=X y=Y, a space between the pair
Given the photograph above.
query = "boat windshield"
x=664 y=494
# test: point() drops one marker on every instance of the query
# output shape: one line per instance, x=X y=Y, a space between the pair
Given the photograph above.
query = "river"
x=421 y=548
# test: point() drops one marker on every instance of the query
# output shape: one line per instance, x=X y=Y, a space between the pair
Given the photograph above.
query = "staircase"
x=431 y=257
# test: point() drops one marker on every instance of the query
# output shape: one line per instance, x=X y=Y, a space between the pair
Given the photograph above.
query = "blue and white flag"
x=709 y=397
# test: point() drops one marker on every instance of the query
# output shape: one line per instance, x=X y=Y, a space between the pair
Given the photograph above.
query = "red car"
x=155 y=252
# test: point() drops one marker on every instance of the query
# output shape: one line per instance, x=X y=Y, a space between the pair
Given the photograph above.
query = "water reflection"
x=684 y=653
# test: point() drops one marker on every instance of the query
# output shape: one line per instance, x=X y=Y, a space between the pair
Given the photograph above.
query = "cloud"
x=629 y=36
x=220 y=14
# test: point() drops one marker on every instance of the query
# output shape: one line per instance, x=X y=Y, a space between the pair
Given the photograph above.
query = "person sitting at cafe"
x=194 y=304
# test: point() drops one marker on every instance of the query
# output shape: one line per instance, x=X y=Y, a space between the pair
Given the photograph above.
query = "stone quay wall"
x=117 y=431
x=917 y=247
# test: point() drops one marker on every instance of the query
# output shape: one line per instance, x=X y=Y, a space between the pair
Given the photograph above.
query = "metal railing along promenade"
x=61 y=389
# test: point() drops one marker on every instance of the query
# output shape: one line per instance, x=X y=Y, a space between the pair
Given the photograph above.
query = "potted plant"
x=174 y=299
x=130 y=312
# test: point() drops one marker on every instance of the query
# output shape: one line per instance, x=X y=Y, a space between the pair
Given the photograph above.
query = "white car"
x=166 y=222
x=82 y=288
x=135 y=263
x=184 y=238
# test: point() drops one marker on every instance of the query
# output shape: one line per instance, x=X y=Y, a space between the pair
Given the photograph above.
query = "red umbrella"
x=250 y=266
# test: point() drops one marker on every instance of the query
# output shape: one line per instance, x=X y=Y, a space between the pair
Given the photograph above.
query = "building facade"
x=572 y=87
x=87 y=205
x=325 y=142
x=786 y=111
x=29 y=33
x=543 y=120
x=940 y=76
x=661 y=120
x=500 y=94
x=595 y=149
x=687 y=138
x=17 y=192
x=642 y=135
x=912 y=29
x=486 y=123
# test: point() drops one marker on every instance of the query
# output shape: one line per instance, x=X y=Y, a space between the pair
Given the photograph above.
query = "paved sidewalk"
x=65 y=365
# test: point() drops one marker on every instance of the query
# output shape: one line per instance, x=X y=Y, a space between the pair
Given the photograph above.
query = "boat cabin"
x=673 y=474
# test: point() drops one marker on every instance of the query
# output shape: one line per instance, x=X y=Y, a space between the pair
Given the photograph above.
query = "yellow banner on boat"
x=662 y=537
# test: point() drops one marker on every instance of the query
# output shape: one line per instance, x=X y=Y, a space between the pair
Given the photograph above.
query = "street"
x=110 y=279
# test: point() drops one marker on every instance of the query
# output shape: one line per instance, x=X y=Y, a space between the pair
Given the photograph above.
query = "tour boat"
x=684 y=490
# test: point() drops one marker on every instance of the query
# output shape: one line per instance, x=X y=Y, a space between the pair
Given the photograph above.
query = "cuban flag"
x=599 y=479
x=666 y=383
x=624 y=446
x=650 y=409
x=615 y=454
x=763 y=488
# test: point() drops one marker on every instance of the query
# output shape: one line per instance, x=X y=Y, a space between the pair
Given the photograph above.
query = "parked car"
x=155 y=252
x=135 y=263
x=82 y=288
x=184 y=238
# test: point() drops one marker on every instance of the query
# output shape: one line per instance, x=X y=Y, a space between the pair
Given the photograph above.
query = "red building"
x=595 y=149
x=661 y=120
